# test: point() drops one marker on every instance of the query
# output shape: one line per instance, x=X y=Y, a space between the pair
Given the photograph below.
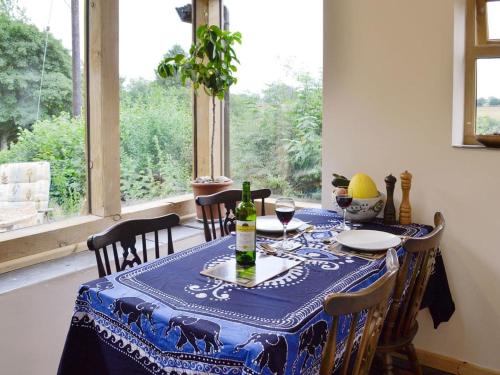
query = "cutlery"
x=336 y=249
x=308 y=229
x=269 y=250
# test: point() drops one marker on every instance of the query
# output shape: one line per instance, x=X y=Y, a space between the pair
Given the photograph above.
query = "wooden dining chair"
x=401 y=324
x=228 y=199
x=369 y=304
x=125 y=233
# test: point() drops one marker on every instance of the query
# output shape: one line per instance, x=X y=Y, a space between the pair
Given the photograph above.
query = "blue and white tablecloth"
x=163 y=317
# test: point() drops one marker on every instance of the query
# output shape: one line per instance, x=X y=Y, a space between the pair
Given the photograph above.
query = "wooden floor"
x=403 y=368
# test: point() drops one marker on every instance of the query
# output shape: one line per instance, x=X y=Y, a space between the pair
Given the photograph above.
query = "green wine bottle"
x=246 y=215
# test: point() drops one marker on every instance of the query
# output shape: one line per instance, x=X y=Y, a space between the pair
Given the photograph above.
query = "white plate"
x=271 y=224
x=372 y=240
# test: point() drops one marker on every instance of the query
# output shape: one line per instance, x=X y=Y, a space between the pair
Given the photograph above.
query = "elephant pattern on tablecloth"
x=135 y=309
x=195 y=329
x=99 y=285
x=311 y=339
x=273 y=354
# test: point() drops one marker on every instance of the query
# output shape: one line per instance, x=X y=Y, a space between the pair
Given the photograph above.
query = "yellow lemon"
x=362 y=186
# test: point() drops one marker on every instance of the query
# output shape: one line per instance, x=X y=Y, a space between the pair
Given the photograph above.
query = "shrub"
x=156 y=140
x=487 y=125
x=276 y=138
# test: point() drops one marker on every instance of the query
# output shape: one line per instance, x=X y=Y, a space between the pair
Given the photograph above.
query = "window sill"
x=27 y=246
x=474 y=147
x=83 y=262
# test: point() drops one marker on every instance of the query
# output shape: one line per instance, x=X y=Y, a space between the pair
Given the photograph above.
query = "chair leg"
x=412 y=356
x=387 y=365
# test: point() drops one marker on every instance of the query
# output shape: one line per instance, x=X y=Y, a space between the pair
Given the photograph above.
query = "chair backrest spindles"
x=227 y=199
x=125 y=233
x=170 y=242
x=144 y=248
x=100 y=266
x=370 y=304
x=350 y=343
x=106 y=259
x=115 y=256
x=416 y=269
x=157 y=244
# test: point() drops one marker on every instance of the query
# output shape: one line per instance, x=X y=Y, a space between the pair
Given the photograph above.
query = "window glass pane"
x=155 y=115
x=493 y=19
x=488 y=96
x=276 y=106
x=42 y=132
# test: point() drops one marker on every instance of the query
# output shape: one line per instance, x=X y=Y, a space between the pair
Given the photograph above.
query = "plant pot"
x=209 y=188
x=489 y=140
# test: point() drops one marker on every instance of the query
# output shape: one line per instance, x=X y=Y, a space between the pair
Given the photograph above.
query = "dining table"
x=165 y=317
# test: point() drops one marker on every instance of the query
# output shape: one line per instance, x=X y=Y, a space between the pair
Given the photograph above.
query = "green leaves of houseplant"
x=210 y=64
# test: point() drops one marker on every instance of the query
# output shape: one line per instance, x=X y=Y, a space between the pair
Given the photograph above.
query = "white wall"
x=34 y=324
x=388 y=103
x=34 y=320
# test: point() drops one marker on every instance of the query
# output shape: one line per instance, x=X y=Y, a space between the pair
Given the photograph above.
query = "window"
x=276 y=106
x=155 y=115
x=482 y=71
x=43 y=171
x=84 y=150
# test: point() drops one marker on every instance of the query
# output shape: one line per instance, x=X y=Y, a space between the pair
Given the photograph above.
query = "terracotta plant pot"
x=207 y=189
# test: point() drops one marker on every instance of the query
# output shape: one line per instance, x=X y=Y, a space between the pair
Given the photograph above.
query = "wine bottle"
x=246 y=215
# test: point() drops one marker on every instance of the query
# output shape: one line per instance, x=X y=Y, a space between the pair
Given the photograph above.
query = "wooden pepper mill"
x=405 y=208
x=390 y=209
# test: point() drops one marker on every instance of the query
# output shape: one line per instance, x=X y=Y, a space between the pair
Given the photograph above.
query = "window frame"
x=27 y=246
x=477 y=46
x=35 y=244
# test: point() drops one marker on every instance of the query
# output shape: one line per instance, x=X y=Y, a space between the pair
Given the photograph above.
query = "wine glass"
x=344 y=200
x=285 y=209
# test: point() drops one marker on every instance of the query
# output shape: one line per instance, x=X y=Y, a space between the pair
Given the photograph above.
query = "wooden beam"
x=207 y=12
x=201 y=107
x=82 y=246
x=104 y=108
x=470 y=75
x=66 y=235
x=481 y=23
x=215 y=17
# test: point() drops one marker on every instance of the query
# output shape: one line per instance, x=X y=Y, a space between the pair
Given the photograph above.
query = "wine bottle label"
x=245 y=235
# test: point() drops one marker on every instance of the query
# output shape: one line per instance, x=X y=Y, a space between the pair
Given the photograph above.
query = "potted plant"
x=210 y=64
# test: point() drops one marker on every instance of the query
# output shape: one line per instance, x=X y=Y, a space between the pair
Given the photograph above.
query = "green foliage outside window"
x=282 y=128
x=21 y=59
x=488 y=115
x=276 y=138
x=156 y=140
